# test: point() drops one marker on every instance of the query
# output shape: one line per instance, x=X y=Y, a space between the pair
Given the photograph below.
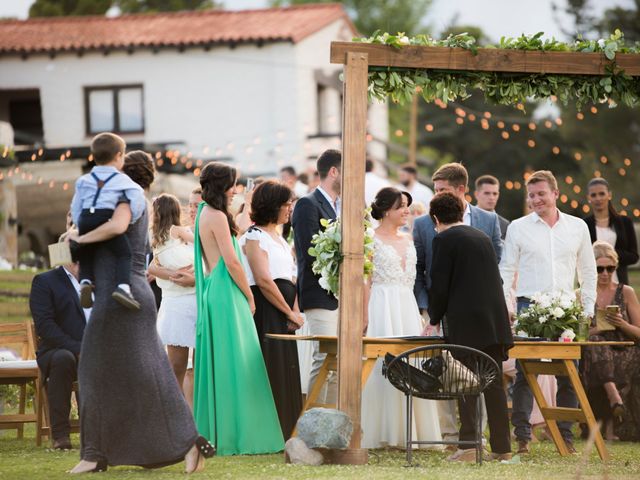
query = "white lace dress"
x=393 y=311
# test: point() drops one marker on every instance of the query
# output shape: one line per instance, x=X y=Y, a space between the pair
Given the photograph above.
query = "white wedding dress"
x=393 y=311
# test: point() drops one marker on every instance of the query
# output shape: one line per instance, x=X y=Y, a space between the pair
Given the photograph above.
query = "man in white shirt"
x=546 y=249
x=289 y=177
x=373 y=183
x=408 y=178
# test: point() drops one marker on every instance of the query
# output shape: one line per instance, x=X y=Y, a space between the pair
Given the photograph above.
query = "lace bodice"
x=387 y=264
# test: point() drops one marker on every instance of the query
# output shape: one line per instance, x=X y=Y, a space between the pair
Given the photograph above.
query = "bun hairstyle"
x=215 y=179
x=140 y=168
x=388 y=198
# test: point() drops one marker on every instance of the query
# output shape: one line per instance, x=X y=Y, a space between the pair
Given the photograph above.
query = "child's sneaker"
x=125 y=299
x=86 y=295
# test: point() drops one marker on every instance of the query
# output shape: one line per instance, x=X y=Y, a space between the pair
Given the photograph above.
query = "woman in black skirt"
x=271 y=271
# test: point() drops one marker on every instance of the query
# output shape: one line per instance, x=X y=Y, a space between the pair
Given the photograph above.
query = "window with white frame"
x=118 y=109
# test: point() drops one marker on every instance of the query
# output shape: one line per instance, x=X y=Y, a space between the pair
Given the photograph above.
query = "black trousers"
x=118 y=245
x=60 y=369
x=496 y=402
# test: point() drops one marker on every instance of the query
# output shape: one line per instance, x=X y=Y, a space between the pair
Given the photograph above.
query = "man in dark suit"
x=487 y=194
x=320 y=307
x=465 y=295
x=60 y=321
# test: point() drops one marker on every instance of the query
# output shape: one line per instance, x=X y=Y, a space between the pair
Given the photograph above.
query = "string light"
x=531 y=143
x=564 y=198
x=568 y=180
x=500 y=124
x=580 y=116
x=577 y=156
x=574 y=204
x=594 y=110
x=548 y=124
x=505 y=135
x=532 y=126
x=585 y=208
x=556 y=150
x=603 y=159
x=627 y=162
x=624 y=202
x=399 y=133
x=622 y=172
x=577 y=189
x=515 y=127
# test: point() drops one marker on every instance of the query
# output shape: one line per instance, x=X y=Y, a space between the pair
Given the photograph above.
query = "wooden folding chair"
x=19 y=338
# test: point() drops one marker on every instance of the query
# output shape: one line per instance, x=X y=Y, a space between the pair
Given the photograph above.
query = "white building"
x=255 y=86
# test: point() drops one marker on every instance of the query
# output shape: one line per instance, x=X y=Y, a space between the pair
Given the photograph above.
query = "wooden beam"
x=351 y=284
x=487 y=59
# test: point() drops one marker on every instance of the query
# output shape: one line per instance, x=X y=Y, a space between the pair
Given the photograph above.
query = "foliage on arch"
x=506 y=88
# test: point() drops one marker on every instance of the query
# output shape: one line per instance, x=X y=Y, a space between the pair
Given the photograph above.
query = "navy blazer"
x=424 y=232
x=57 y=314
x=308 y=212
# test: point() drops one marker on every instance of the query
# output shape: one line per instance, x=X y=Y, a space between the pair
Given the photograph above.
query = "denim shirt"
x=110 y=195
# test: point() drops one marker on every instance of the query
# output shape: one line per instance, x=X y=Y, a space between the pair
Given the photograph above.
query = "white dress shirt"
x=466 y=217
x=547 y=259
x=337 y=205
x=420 y=193
x=76 y=285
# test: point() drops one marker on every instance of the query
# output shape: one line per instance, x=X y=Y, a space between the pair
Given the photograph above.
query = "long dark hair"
x=601 y=181
x=215 y=179
x=166 y=214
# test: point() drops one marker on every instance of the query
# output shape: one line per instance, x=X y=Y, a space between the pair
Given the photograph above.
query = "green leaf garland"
x=505 y=88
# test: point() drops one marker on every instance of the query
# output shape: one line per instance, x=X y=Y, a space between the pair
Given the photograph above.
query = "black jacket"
x=626 y=244
x=466 y=290
x=306 y=223
x=59 y=319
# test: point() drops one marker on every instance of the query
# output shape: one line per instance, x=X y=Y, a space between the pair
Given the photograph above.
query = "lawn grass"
x=21 y=459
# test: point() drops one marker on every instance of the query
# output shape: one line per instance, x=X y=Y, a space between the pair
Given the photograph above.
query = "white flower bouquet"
x=556 y=316
x=326 y=250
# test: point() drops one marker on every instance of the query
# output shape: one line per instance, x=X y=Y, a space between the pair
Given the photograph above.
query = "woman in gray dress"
x=132 y=411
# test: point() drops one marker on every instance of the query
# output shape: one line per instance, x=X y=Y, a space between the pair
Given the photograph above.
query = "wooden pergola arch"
x=357 y=58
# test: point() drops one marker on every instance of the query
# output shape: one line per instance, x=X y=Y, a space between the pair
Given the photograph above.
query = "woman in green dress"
x=233 y=403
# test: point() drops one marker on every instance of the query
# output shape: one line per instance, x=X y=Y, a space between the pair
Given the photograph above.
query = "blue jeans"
x=522 y=400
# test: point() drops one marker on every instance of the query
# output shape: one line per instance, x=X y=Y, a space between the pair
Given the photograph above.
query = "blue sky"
x=495 y=17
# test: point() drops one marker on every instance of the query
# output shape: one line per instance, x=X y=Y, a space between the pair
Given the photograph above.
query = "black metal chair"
x=441 y=372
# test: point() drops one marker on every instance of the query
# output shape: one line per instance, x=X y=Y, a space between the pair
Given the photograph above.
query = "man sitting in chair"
x=60 y=321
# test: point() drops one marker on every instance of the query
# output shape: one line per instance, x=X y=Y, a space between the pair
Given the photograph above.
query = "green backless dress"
x=233 y=404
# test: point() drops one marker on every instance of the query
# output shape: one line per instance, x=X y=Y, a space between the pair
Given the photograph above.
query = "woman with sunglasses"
x=608 y=225
x=608 y=371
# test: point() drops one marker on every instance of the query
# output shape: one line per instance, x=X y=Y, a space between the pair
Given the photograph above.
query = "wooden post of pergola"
x=357 y=58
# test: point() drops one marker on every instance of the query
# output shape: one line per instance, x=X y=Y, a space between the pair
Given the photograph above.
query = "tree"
x=387 y=15
x=58 y=8
x=152 y=6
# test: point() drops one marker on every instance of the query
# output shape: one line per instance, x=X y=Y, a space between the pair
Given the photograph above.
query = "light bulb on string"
x=515 y=127
x=532 y=126
x=622 y=172
x=580 y=116
x=505 y=135
x=556 y=150
x=627 y=162
x=500 y=124
x=531 y=143
x=459 y=120
x=574 y=204
x=577 y=156
x=577 y=189
x=428 y=127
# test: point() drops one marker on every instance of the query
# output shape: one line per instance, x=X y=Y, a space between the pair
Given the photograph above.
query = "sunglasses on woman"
x=608 y=268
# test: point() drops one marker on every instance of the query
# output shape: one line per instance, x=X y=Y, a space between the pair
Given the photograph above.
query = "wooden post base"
x=348 y=456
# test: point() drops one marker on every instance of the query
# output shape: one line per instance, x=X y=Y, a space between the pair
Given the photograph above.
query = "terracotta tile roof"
x=180 y=29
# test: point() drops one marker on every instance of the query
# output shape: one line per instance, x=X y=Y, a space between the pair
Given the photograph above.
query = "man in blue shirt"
x=96 y=197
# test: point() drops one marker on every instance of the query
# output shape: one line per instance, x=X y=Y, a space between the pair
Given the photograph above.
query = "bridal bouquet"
x=550 y=315
x=326 y=250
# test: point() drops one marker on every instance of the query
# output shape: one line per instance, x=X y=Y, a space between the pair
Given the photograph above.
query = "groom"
x=319 y=306
x=449 y=178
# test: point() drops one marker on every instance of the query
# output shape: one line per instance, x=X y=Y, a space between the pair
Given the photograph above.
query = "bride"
x=393 y=311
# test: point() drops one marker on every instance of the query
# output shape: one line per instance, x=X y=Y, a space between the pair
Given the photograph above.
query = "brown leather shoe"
x=62 y=443
x=523 y=447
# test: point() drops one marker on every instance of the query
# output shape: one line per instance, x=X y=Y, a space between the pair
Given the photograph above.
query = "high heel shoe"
x=101 y=466
x=202 y=449
x=205 y=448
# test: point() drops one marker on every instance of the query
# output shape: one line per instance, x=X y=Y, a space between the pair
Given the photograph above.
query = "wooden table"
x=560 y=360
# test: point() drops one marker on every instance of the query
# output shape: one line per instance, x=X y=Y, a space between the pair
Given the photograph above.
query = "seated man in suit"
x=60 y=321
